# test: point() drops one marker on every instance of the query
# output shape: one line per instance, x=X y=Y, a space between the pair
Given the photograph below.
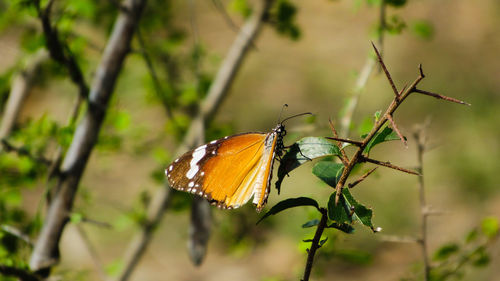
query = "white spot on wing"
x=193 y=165
x=214 y=141
x=191 y=184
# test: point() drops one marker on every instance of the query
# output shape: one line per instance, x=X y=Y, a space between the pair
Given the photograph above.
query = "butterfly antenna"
x=296 y=115
x=281 y=112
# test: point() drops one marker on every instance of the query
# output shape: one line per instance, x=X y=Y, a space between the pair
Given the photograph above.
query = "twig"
x=387 y=164
x=17 y=233
x=46 y=252
x=420 y=137
x=22 y=274
x=315 y=244
x=438 y=96
x=59 y=51
x=156 y=82
x=21 y=85
x=396 y=102
x=357 y=143
x=384 y=68
x=21 y=151
x=208 y=108
x=344 y=157
x=362 y=178
x=395 y=127
x=92 y=251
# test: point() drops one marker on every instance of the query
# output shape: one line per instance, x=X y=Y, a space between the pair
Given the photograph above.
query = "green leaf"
x=387 y=134
x=471 y=236
x=446 y=251
x=303 y=151
x=328 y=171
x=481 y=257
x=241 y=6
x=423 y=29
x=310 y=223
x=349 y=210
x=115 y=267
x=489 y=227
x=290 y=203
x=76 y=218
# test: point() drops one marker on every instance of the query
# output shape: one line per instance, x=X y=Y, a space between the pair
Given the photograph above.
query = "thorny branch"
x=400 y=96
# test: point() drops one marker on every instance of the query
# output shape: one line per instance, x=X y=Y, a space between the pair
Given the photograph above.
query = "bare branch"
x=46 y=252
x=21 y=85
x=438 y=96
x=92 y=251
x=384 y=68
x=388 y=165
x=17 y=233
x=421 y=139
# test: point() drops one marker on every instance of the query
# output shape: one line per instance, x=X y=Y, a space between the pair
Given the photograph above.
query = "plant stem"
x=315 y=244
x=423 y=205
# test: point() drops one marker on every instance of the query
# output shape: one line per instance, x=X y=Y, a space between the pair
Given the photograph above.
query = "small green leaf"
x=471 y=236
x=76 y=218
x=446 y=251
x=387 y=134
x=377 y=115
x=290 y=203
x=423 y=29
x=303 y=151
x=115 y=267
x=489 y=227
x=310 y=223
x=328 y=171
x=349 y=210
x=481 y=257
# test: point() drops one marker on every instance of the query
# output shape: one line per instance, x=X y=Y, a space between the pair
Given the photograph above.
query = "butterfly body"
x=229 y=171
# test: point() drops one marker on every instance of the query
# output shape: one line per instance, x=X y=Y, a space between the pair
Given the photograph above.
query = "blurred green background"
x=458 y=44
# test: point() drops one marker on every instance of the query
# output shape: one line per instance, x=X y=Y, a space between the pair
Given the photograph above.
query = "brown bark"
x=46 y=251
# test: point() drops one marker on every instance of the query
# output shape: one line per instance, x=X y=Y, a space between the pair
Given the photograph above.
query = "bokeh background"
x=317 y=73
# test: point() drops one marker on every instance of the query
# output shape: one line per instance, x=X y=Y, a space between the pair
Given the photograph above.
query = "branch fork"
x=399 y=97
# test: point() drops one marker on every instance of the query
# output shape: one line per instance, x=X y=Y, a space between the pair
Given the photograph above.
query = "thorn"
x=387 y=74
x=388 y=165
x=401 y=137
x=362 y=178
x=357 y=143
x=438 y=96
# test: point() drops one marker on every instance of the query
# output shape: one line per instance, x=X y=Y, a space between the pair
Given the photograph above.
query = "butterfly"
x=229 y=171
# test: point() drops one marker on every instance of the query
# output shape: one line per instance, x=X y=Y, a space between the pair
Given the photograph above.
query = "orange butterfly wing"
x=228 y=171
